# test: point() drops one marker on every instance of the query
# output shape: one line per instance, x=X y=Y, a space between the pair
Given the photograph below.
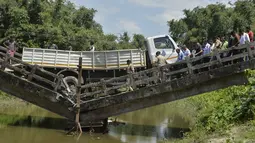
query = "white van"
x=163 y=43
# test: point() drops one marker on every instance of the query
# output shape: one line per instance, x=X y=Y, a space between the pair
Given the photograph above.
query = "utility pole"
x=78 y=98
x=78 y=101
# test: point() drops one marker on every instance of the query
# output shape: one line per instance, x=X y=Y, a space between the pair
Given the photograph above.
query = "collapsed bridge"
x=151 y=87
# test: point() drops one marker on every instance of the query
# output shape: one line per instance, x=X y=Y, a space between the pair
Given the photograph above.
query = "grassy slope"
x=224 y=115
x=19 y=110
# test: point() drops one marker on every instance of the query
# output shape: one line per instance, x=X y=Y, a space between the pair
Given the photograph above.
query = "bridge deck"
x=33 y=93
x=151 y=87
x=197 y=77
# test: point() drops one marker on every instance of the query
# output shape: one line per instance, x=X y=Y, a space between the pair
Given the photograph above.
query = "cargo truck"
x=100 y=64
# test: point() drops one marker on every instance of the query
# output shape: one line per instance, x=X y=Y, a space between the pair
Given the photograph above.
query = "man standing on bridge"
x=186 y=51
x=130 y=70
x=160 y=60
x=250 y=33
x=180 y=55
x=11 y=45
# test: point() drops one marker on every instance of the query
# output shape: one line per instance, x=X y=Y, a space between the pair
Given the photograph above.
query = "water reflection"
x=171 y=114
x=37 y=135
x=145 y=126
x=140 y=133
x=146 y=133
x=34 y=121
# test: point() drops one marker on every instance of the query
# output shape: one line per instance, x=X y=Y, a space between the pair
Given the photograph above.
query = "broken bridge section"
x=151 y=87
x=33 y=84
x=169 y=83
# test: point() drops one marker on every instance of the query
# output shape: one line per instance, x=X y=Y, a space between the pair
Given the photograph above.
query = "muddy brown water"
x=144 y=126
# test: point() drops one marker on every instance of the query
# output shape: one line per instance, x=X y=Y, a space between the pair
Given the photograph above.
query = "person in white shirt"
x=92 y=47
x=244 y=37
x=207 y=48
x=212 y=46
x=186 y=51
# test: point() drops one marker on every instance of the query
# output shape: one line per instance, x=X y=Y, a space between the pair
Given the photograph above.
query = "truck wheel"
x=72 y=83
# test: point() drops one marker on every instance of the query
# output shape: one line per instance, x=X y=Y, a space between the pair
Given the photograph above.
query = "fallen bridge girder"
x=33 y=93
x=166 y=92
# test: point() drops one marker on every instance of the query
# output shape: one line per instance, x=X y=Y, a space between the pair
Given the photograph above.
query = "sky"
x=147 y=17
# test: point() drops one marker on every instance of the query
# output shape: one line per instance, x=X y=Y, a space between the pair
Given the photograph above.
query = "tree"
x=84 y=17
x=124 y=38
x=34 y=11
x=40 y=23
x=57 y=10
x=204 y=23
x=138 y=41
x=177 y=30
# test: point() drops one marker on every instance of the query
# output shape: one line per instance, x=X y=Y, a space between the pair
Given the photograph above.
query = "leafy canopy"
x=40 y=23
x=205 y=23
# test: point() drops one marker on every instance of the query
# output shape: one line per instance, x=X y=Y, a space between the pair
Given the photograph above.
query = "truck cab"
x=163 y=43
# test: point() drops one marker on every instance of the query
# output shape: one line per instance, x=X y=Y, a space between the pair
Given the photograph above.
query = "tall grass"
x=13 y=110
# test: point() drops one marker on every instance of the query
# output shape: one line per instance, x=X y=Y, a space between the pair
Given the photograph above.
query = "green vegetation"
x=204 y=23
x=14 y=111
x=40 y=23
x=226 y=114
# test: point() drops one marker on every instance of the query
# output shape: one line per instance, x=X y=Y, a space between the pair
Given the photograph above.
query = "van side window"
x=163 y=43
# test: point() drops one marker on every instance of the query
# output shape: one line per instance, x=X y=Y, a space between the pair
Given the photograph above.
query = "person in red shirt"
x=250 y=33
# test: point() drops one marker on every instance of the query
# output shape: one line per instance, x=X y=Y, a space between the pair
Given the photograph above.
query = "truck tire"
x=72 y=83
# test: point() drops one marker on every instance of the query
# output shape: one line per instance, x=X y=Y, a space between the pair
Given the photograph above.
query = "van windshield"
x=163 y=43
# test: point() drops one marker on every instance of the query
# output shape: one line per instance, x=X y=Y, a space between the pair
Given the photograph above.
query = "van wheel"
x=72 y=83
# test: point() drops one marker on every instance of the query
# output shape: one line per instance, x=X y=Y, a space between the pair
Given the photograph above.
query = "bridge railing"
x=32 y=73
x=170 y=72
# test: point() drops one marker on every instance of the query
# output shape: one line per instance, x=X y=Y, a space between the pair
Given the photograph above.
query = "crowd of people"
x=209 y=46
x=219 y=43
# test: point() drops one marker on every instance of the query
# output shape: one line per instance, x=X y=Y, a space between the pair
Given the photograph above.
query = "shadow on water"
x=42 y=122
x=34 y=121
x=115 y=128
x=148 y=125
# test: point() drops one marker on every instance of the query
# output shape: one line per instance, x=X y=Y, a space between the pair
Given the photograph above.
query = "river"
x=34 y=125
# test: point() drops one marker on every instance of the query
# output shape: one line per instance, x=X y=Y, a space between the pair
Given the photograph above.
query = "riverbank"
x=219 y=116
x=226 y=115
x=14 y=111
x=239 y=133
x=167 y=121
